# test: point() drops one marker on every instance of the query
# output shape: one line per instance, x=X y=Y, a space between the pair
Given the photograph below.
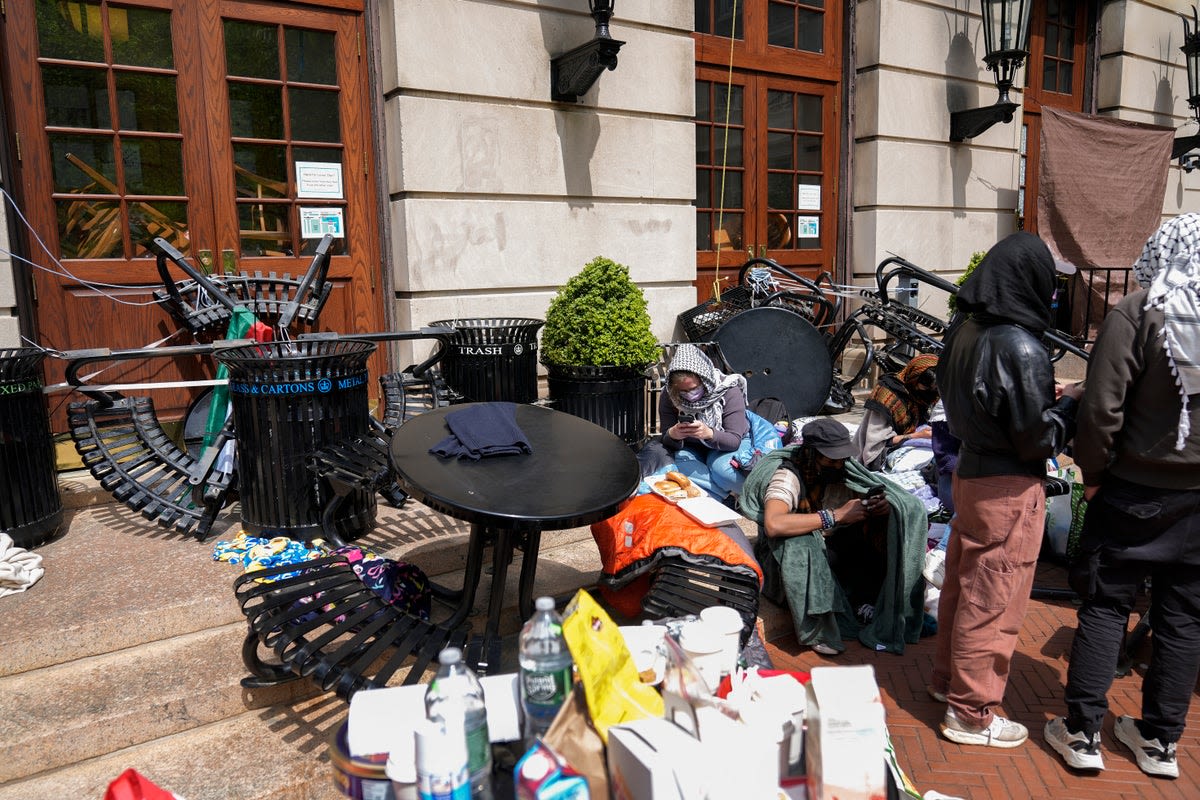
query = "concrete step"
x=90 y=707
x=273 y=753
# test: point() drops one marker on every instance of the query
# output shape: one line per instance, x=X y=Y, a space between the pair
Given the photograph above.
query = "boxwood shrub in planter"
x=596 y=347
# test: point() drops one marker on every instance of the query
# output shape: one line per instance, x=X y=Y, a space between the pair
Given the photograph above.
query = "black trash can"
x=289 y=400
x=612 y=397
x=30 y=506
x=492 y=359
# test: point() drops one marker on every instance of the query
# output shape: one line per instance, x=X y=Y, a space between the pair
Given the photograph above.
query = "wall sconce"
x=1191 y=54
x=1005 y=37
x=574 y=72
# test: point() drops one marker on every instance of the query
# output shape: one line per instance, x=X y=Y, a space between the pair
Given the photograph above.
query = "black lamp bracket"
x=971 y=122
x=574 y=72
x=1183 y=144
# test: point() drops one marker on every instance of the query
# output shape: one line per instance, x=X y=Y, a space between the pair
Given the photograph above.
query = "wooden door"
x=768 y=77
x=237 y=131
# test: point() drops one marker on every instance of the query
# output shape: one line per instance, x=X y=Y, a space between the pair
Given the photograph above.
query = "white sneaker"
x=935 y=694
x=935 y=567
x=1000 y=732
x=1153 y=757
x=825 y=649
x=1077 y=749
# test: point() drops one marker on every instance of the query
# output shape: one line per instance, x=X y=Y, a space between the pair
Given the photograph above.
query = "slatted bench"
x=325 y=625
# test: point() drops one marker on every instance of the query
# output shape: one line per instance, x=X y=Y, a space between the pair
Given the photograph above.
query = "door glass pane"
x=264 y=229
x=810 y=31
x=724 y=230
x=703 y=193
x=255 y=111
x=83 y=164
x=251 y=50
x=89 y=228
x=809 y=226
x=1064 y=77
x=716 y=17
x=70 y=30
x=147 y=102
x=732 y=190
x=141 y=37
x=730 y=141
x=76 y=97
x=160 y=218
x=808 y=153
x=781 y=25
x=796 y=24
x=152 y=166
x=314 y=115
x=260 y=170
x=808 y=113
x=310 y=56
x=779 y=150
x=308 y=244
x=780 y=113
x=779 y=191
x=1050 y=76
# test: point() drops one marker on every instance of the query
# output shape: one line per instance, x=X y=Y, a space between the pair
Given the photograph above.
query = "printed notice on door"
x=319 y=179
x=316 y=222
x=808 y=227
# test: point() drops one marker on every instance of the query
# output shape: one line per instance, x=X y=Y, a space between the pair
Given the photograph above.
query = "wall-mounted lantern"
x=574 y=72
x=1191 y=54
x=1006 y=38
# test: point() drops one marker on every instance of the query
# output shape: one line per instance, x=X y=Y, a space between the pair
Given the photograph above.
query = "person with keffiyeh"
x=897 y=411
x=1138 y=446
x=704 y=421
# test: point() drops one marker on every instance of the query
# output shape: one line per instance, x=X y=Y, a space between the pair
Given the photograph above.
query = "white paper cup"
x=705 y=648
x=727 y=623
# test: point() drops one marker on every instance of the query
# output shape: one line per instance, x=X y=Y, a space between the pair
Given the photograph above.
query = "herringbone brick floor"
x=1034 y=695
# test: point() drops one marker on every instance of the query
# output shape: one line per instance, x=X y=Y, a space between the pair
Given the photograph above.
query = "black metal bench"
x=324 y=624
x=679 y=587
x=125 y=448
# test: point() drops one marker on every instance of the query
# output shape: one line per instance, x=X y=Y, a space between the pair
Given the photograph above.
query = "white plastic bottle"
x=441 y=762
x=547 y=669
x=455 y=699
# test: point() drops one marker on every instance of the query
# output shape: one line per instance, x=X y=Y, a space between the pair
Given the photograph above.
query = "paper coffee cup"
x=727 y=623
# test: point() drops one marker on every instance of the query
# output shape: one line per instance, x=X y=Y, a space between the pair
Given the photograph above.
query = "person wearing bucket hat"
x=807 y=494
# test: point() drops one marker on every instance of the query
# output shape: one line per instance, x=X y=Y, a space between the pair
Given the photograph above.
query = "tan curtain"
x=1100 y=195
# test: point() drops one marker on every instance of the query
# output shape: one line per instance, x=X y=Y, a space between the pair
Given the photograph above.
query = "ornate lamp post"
x=1006 y=38
x=574 y=72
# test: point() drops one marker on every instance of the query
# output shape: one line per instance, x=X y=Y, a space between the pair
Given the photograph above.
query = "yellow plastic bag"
x=615 y=692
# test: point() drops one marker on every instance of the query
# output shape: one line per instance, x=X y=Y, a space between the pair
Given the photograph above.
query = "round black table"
x=577 y=474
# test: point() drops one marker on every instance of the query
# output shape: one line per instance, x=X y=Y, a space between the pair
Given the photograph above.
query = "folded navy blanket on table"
x=483 y=430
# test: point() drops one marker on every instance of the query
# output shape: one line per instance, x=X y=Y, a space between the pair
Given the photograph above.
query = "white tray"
x=707 y=511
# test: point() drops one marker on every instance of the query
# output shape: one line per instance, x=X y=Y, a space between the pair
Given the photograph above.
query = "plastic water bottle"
x=455 y=699
x=546 y=669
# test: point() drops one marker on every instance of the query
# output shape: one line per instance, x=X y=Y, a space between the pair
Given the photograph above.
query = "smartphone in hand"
x=686 y=417
x=875 y=491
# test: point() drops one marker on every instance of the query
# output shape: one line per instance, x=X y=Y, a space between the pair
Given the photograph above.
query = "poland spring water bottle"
x=546 y=669
x=455 y=699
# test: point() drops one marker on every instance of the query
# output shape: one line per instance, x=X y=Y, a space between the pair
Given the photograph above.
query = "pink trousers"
x=990 y=563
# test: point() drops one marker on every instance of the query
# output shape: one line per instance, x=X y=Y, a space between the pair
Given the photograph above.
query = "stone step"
x=273 y=753
x=59 y=715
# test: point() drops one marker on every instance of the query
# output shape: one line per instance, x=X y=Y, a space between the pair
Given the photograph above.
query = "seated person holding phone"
x=705 y=425
x=849 y=547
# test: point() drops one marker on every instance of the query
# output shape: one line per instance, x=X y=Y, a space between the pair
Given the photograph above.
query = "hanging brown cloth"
x=1100 y=194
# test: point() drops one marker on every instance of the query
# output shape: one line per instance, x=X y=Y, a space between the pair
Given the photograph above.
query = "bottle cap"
x=544 y=604
x=450 y=655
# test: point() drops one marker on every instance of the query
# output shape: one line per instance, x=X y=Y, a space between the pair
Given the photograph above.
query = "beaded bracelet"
x=827 y=520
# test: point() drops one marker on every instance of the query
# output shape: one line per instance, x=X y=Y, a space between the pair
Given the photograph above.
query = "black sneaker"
x=1077 y=749
x=1153 y=757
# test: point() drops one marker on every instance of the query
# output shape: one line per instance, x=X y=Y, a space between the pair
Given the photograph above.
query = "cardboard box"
x=653 y=759
x=845 y=737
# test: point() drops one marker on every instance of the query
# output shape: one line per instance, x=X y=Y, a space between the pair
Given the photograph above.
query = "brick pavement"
x=1034 y=696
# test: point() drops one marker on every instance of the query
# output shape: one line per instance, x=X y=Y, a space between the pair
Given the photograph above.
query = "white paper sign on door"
x=319 y=179
x=808 y=197
x=316 y=222
x=808 y=227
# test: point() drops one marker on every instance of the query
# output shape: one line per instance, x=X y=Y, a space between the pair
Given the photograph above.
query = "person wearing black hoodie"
x=997 y=384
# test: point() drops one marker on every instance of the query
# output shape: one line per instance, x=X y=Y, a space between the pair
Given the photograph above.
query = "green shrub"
x=976 y=257
x=599 y=318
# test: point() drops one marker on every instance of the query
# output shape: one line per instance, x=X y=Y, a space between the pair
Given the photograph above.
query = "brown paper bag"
x=572 y=736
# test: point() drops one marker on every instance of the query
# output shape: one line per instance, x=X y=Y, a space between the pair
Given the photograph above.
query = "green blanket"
x=820 y=609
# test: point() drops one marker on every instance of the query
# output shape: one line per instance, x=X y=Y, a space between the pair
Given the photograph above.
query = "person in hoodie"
x=1138 y=445
x=998 y=387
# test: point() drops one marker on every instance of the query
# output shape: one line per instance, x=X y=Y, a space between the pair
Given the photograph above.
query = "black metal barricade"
x=492 y=359
x=289 y=400
x=30 y=506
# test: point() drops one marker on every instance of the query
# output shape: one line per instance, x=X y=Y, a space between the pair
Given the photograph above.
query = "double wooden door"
x=238 y=131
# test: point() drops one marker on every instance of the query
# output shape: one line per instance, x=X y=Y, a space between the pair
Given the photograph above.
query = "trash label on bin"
x=20 y=388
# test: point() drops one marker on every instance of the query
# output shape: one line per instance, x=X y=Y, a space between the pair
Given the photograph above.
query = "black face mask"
x=832 y=474
x=927 y=396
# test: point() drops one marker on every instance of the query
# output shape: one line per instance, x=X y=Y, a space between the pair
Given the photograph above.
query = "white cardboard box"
x=845 y=739
x=654 y=759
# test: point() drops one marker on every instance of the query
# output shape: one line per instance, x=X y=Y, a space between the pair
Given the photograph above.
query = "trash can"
x=289 y=400
x=30 y=506
x=492 y=359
